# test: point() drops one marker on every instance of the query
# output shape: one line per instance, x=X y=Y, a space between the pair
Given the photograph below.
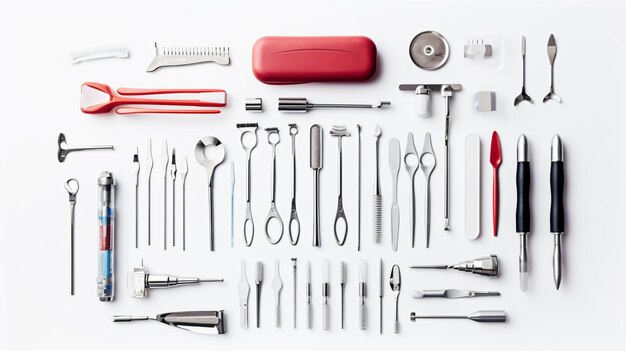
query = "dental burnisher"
x=557 y=213
x=522 y=213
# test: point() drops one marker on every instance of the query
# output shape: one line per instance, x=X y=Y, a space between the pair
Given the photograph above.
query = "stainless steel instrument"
x=136 y=171
x=523 y=96
x=273 y=138
x=180 y=56
x=316 y=164
x=72 y=186
x=164 y=163
x=522 y=211
x=294 y=276
x=482 y=266
x=243 y=289
x=259 y=282
x=428 y=162
x=302 y=105
x=173 y=172
x=140 y=281
x=210 y=163
x=64 y=149
x=202 y=322
x=381 y=291
x=184 y=169
x=394 y=166
x=294 y=222
x=343 y=271
x=557 y=207
x=232 y=204
x=423 y=91
x=362 y=294
x=377 y=214
x=358 y=245
x=479 y=316
x=451 y=293
x=309 y=306
x=340 y=216
x=325 y=295
x=248 y=140
x=277 y=286
x=149 y=166
x=394 y=282
x=551 y=56
x=411 y=164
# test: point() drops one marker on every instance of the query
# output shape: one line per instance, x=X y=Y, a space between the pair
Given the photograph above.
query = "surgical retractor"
x=248 y=140
x=411 y=164
x=136 y=172
x=394 y=167
x=243 y=289
x=377 y=201
x=202 y=322
x=277 y=286
x=557 y=212
x=340 y=216
x=164 y=163
x=273 y=138
x=316 y=163
x=325 y=295
x=487 y=265
x=184 y=169
x=210 y=162
x=423 y=101
x=72 y=186
x=343 y=271
x=294 y=222
x=259 y=282
x=140 y=281
x=149 y=166
x=173 y=172
x=427 y=162
x=522 y=211
x=362 y=294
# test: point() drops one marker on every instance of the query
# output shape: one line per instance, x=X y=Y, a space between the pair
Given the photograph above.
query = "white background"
x=40 y=98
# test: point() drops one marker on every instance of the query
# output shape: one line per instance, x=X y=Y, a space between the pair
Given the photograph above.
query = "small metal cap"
x=254 y=104
x=429 y=50
x=557 y=149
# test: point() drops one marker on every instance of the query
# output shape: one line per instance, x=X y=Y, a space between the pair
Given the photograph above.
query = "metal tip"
x=522 y=149
x=523 y=281
x=557 y=148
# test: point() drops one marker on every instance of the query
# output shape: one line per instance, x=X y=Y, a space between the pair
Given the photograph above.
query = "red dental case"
x=294 y=60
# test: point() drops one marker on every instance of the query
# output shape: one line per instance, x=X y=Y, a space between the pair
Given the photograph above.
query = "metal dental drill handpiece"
x=273 y=138
x=248 y=145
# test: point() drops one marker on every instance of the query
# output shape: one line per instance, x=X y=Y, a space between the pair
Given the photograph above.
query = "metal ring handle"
x=294 y=218
x=273 y=214
x=72 y=186
x=341 y=215
x=251 y=226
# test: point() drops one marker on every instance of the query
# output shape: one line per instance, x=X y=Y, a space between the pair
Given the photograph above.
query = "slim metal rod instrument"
x=72 y=186
x=232 y=205
x=380 y=295
x=294 y=222
x=482 y=266
x=243 y=289
x=184 y=169
x=325 y=295
x=342 y=284
x=316 y=163
x=358 y=245
x=478 y=316
x=377 y=199
x=164 y=163
x=557 y=212
x=149 y=166
x=259 y=282
x=295 y=272
x=522 y=212
x=173 y=172
x=136 y=171
x=309 y=306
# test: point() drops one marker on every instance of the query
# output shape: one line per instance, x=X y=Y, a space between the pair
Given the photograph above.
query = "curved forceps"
x=294 y=233
x=273 y=214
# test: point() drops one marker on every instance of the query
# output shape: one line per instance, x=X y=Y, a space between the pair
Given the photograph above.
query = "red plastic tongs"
x=100 y=98
x=495 y=159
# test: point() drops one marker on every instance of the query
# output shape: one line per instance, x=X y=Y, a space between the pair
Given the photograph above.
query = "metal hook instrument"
x=273 y=138
x=248 y=224
x=294 y=222
x=340 y=132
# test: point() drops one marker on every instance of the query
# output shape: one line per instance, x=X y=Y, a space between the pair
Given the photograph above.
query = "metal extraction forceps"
x=72 y=186
x=210 y=163
x=294 y=222
x=248 y=145
x=340 y=216
x=428 y=163
x=273 y=138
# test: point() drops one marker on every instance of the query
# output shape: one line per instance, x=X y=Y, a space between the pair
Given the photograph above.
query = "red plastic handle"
x=494 y=200
x=138 y=110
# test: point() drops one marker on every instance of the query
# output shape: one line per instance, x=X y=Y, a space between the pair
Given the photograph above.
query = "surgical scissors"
x=294 y=222
x=72 y=186
x=273 y=138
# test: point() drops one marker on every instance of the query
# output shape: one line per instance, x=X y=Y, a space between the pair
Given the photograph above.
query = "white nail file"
x=472 y=187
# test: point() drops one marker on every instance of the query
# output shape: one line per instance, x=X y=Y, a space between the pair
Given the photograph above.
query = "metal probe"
x=136 y=171
x=478 y=316
x=140 y=281
x=380 y=295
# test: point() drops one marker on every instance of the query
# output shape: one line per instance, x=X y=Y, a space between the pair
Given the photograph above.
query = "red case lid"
x=293 y=60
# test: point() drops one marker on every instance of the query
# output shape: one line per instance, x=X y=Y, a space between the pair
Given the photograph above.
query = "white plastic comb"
x=95 y=53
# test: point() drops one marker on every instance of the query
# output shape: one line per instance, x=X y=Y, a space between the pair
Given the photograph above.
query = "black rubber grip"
x=557 y=213
x=522 y=213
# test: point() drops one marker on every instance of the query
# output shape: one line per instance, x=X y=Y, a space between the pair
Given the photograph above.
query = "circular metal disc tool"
x=429 y=50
